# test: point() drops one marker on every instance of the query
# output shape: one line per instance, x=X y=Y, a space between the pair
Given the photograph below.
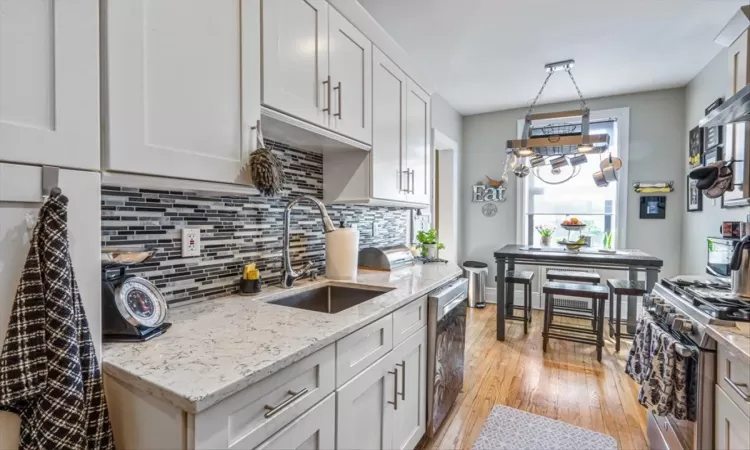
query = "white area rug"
x=513 y=429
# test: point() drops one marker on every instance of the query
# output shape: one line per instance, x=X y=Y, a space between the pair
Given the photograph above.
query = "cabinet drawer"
x=409 y=319
x=251 y=416
x=315 y=429
x=734 y=378
x=362 y=348
x=732 y=425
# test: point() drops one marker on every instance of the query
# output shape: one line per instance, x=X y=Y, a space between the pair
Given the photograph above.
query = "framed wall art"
x=694 y=196
x=653 y=207
x=695 y=150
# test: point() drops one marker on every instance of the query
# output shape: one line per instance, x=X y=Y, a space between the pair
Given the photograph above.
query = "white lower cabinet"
x=732 y=425
x=381 y=406
x=410 y=359
x=384 y=406
x=365 y=409
x=313 y=430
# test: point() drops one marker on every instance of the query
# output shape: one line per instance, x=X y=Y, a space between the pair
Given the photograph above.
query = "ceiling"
x=488 y=55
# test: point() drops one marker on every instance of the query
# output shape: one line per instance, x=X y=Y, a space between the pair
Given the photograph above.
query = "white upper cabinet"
x=418 y=152
x=389 y=128
x=295 y=59
x=183 y=86
x=49 y=82
x=350 y=59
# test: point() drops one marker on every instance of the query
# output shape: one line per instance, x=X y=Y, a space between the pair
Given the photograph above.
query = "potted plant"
x=545 y=231
x=428 y=243
x=607 y=240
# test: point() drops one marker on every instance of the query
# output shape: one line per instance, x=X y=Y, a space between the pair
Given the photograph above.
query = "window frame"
x=622 y=117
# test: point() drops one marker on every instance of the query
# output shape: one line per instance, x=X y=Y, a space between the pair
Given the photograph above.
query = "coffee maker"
x=740 y=263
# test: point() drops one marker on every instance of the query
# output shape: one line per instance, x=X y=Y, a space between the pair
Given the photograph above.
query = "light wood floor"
x=566 y=383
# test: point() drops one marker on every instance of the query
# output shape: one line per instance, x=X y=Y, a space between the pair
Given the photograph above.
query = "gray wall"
x=711 y=83
x=446 y=119
x=657 y=149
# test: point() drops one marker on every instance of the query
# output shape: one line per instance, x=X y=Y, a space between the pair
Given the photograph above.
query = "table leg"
x=652 y=275
x=500 y=299
x=509 y=288
x=632 y=319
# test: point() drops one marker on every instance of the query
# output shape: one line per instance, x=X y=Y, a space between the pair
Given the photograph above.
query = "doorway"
x=446 y=194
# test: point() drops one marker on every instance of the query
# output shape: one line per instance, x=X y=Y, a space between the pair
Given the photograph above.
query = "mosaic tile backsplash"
x=235 y=230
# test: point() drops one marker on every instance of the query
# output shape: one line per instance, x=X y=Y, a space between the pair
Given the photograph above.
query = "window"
x=548 y=204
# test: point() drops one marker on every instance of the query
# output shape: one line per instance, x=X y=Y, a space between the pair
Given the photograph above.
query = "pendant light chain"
x=539 y=94
x=584 y=106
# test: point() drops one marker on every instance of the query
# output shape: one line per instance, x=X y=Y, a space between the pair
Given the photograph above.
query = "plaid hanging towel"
x=49 y=374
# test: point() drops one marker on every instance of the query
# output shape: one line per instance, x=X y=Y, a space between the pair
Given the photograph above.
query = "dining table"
x=632 y=261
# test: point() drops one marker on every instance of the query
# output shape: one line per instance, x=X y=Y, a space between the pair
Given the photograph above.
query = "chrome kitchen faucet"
x=288 y=276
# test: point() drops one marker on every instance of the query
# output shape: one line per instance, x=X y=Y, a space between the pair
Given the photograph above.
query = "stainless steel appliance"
x=684 y=306
x=719 y=256
x=446 y=335
x=740 y=266
x=729 y=258
x=385 y=258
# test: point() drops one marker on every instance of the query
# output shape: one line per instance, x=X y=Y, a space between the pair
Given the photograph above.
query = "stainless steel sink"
x=329 y=299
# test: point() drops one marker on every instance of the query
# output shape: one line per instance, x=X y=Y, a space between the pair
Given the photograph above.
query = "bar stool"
x=618 y=288
x=522 y=277
x=596 y=293
x=576 y=277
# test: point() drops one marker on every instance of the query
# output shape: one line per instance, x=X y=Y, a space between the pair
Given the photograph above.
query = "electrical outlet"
x=191 y=242
x=375 y=229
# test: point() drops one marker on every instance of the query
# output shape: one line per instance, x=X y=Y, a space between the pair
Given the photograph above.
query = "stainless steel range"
x=684 y=306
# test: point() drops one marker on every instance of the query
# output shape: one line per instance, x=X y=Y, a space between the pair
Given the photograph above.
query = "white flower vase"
x=432 y=250
x=546 y=241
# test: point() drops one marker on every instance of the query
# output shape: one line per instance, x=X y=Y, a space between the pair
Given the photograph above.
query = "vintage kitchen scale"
x=133 y=309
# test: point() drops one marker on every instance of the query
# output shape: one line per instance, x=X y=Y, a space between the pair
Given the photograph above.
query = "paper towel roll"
x=342 y=253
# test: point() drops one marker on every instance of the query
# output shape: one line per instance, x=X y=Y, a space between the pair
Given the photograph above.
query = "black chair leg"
x=600 y=332
x=594 y=315
x=547 y=309
x=525 y=309
x=530 y=310
x=611 y=313
x=617 y=324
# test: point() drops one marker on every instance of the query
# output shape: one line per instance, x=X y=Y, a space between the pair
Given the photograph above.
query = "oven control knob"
x=651 y=300
x=682 y=325
x=663 y=310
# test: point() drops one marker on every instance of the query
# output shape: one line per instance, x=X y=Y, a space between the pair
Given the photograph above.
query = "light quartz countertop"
x=218 y=347
x=735 y=338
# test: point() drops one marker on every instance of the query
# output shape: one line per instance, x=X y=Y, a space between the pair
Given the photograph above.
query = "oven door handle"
x=453 y=303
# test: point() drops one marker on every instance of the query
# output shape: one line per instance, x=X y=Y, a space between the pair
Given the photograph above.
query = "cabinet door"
x=295 y=58
x=313 y=430
x=388 y=128
x=364 y=414
x=175 y=86
x=49 y=82
x=732 y=426
x=21 y=197
x=418 y=152
x=410 y=360
x=350 y=54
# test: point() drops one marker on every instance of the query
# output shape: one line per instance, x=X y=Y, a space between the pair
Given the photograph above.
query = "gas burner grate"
x=713 y=298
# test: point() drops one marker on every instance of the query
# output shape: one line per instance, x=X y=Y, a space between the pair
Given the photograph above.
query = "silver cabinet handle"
x=736 y=386
x=338 y=88
x=395 y=389
x=411 y=175
x=273 y=410
x=327 y=83
x=403 y=379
